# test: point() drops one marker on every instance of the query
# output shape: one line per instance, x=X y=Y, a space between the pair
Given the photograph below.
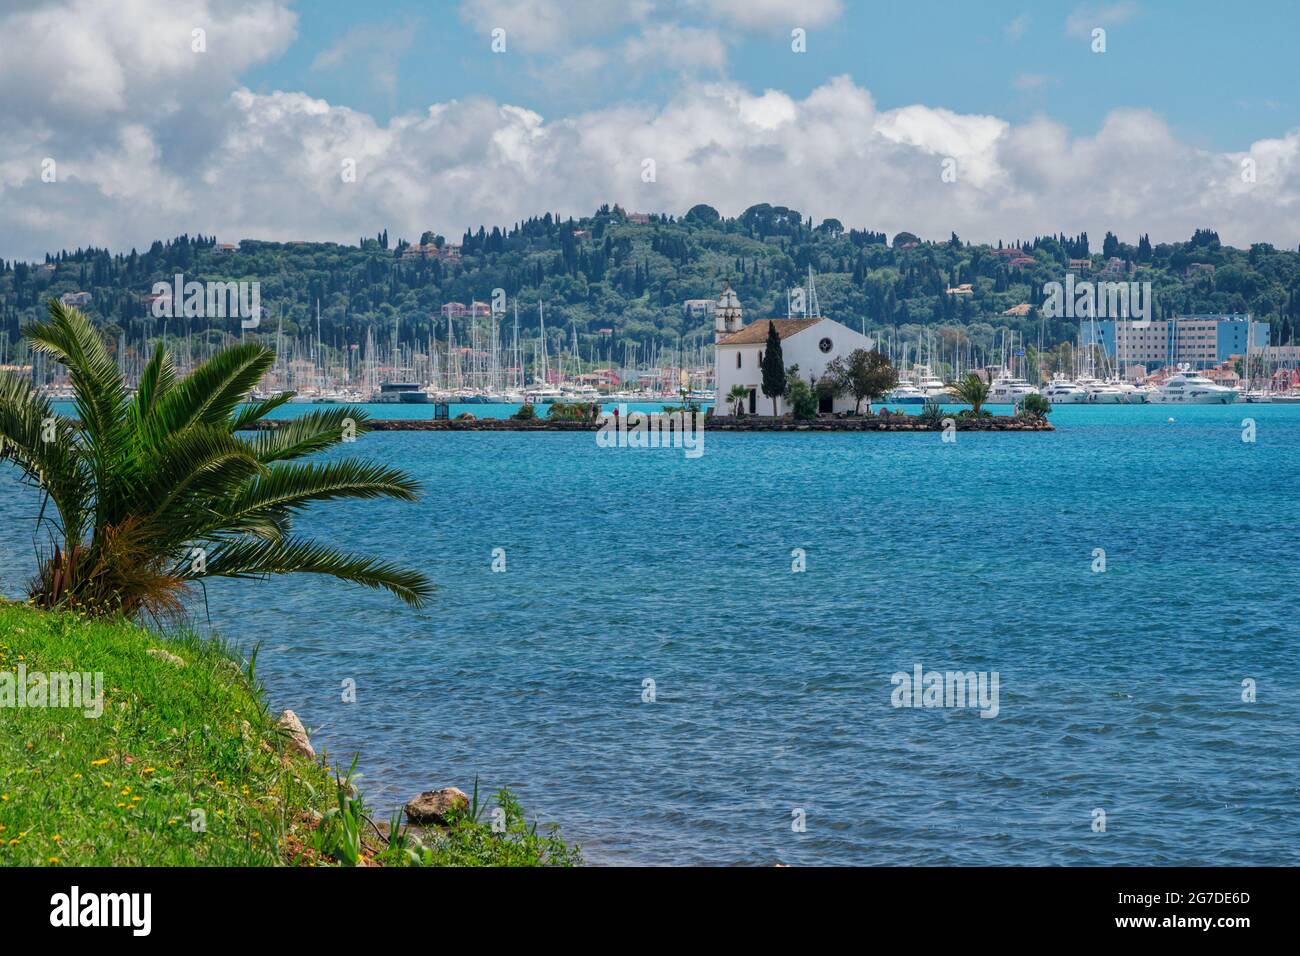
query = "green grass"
x=176 y=746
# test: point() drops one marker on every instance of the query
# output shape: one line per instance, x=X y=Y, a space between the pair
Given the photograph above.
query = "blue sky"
x=1222 y=74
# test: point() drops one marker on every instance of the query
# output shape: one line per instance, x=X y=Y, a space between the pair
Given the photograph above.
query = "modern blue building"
x=1201 y=341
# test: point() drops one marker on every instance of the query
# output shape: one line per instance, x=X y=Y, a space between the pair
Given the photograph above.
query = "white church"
x=811 y=342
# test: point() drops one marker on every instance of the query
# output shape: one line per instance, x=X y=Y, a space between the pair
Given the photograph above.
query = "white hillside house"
x=811 y=343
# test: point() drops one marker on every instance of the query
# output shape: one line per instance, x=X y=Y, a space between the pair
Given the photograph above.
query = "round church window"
x=825 y=345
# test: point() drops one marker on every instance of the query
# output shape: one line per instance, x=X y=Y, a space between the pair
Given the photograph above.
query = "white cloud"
x=1017 y=27
x=1084 y=19
x=88 y=61
x=558 y=26
x=771 y=14
x=554 y=26
x=677 y=47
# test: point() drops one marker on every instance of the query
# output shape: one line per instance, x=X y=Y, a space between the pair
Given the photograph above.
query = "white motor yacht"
x=1010 y=391
x=1192 y=388
x=540 y=394
x=1103 y=393
x=1062 y=391
x=935 y=390
x=905 y=393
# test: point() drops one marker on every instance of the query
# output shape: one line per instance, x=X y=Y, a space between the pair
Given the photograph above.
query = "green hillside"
x=610 y=271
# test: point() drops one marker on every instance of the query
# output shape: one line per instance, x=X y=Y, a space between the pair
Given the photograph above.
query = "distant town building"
x=430 y=250
x=641 y=218
x=1201 y=341
x=1115 y=268
x=459 y=310
x=964 y=289
x=1080 y=265
x=226 y=247
x=1223 y=374
x=1281 y=354
x=1019 y=311
x=1019 y=262
x=76 y=300
x=697 y=308
x=1197 y=268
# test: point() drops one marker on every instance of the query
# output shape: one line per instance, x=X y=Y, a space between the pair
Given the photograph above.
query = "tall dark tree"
x=773 y=366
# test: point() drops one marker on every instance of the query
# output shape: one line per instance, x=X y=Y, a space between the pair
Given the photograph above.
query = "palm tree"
x=972 y=390
x=737 y=395
x=154 y=491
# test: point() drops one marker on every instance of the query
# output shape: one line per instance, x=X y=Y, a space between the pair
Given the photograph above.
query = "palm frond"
x=69 y=337
x=157 y=379
x=255 y=559
x=203 y=462
x=290 y=487
x=308 y=434
x=256 y=411
x=43 y=446
x=210 y=393
x=101 y=398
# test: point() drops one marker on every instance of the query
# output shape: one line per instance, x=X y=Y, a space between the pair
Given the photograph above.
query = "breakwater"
x=754 y=423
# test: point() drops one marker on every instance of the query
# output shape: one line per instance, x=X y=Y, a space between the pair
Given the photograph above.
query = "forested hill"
x=632 y=273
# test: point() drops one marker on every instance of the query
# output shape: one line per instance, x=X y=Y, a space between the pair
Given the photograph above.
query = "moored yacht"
x=1009 y=391
x=935 y=390
x=1192 y=388
x=1103 y=393
x=1062 y=391
x=399 y=393
x=905 y=393
x=540 y=394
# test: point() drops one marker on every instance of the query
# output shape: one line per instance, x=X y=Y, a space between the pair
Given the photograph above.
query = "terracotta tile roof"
x=756 y=334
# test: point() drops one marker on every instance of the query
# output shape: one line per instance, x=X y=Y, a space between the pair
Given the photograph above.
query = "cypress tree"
x=773 y=366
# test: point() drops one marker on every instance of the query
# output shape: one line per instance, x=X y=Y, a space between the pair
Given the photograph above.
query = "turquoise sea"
x=1121 y=690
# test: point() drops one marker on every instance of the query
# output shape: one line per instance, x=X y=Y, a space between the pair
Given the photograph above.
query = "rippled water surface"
x=1119 y=691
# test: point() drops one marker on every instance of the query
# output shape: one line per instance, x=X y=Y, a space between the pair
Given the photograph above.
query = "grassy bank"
x=184 y=767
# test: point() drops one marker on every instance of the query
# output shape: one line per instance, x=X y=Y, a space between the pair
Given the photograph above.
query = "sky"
x=127 y=121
